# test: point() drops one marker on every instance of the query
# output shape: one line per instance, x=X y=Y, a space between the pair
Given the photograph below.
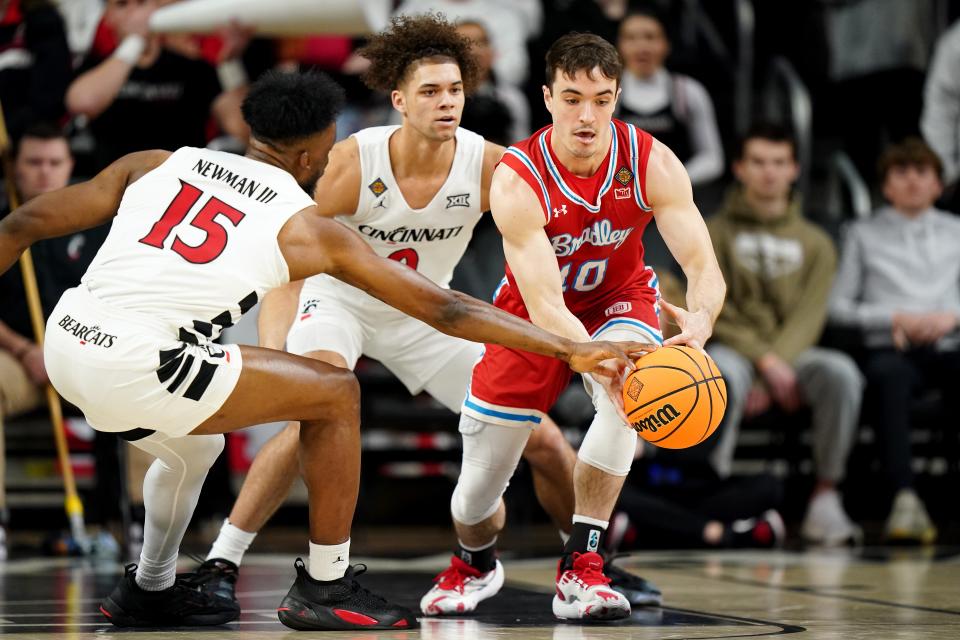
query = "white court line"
x=107 y=625
x=90 y=614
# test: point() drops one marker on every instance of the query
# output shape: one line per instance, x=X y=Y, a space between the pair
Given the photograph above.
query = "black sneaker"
x=640 y=592
x=216 y=577
x=182 y=605
x=314 y=605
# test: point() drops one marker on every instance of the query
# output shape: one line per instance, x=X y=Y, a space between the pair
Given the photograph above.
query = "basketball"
x=675 y=398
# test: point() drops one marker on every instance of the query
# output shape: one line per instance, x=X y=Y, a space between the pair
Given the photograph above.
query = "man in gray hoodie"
x=779 y=267
x=899 y=283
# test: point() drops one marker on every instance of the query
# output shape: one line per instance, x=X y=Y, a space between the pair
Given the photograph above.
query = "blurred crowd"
x=826 y=328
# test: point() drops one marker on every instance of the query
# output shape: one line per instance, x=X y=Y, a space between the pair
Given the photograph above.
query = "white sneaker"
x=909 y=520
x=827 y=524
x=583 y=592
x=460 y=588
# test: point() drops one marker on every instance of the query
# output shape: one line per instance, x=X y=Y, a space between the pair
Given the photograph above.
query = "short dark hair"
x=410 y=39
x=284 y=107
x=647 y=10
x=41 y=131
x=912 y=152
x=769 y=131
x=583 y=52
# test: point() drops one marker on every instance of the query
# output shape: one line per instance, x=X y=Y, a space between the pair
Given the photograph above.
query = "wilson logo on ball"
x=659 y=418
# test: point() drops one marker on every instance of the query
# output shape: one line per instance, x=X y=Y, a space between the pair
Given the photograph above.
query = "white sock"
x=603 y=524
x=231 y=543
x=481 y=547
x=329 y=561
x=156 y=576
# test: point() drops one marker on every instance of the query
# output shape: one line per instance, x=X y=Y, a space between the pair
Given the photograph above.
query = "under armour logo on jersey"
x=562 y=211
x=459 y=200
x=377 y=187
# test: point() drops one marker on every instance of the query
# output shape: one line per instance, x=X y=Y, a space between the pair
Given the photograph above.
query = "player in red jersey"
x=572 y=202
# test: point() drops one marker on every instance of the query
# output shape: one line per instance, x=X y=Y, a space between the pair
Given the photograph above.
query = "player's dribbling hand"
x=695 y=327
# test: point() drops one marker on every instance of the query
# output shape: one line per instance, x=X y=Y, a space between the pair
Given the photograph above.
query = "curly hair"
x=410 y=39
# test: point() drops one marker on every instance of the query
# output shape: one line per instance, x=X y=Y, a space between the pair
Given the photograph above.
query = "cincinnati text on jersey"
x=406 y=234
x=93 y=335
x=242 y=185
x=599 y=234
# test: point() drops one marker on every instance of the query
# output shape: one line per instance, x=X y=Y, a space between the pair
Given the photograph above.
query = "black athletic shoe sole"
x=117 y=616
x=304 y=616
x=640 y=598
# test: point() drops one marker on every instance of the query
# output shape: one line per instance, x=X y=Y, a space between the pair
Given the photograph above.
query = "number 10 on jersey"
x=587 y=277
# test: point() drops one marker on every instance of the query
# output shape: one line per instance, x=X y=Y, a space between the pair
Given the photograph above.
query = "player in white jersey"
x=414 y=193
x=197 y=237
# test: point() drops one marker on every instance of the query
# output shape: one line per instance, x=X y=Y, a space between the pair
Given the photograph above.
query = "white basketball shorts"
x=127 y=371
x=333 y=316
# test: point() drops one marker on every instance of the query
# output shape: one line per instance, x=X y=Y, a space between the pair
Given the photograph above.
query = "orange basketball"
x=675 y=398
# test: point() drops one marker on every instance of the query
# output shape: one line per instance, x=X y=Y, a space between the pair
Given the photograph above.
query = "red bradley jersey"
x=595 y=224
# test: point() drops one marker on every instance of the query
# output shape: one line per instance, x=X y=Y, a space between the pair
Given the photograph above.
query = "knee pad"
x=490 y=456
x=609 y=445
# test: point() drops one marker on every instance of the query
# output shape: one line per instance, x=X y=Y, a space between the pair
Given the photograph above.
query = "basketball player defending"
x=199 y=236
x=415 y=193
x=572 y=202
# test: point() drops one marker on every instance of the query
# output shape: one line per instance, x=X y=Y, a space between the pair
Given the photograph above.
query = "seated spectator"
x=496 y=110
x=940 y=121
x=686 y=504
x=899 y=283
x=35 y=66
x=42 y=163
x=675 y=109
x=779 y=268
x=144 y=95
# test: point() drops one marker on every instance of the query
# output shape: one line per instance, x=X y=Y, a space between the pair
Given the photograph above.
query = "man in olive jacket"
x=779 y=269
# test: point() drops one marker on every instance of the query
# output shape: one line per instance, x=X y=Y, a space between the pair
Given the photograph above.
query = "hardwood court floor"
x=873 y=594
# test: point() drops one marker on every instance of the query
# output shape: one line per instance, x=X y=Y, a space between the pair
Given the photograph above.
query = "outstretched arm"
x=313 y=244
x=682 y=227
x=73 y=208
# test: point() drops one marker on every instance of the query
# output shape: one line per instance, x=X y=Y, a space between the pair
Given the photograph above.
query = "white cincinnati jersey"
x=432 y=239
x=194 y=243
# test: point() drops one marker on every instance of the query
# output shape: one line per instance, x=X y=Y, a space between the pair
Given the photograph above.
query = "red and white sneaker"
x=583 y=592
x=460 y=588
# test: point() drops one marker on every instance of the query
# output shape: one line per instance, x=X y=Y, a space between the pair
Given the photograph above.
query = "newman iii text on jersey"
x=240 y=184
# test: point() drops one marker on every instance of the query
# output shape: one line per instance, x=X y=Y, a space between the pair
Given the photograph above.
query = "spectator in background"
x=779 y=269
x=35 y=67
x=940 y=121
x=675 y=109
x=685 y=504
x=899 y=282
x=878 y=53
x=144 y=95
x=42 y=163
x=507 y=27
x=496 y=110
